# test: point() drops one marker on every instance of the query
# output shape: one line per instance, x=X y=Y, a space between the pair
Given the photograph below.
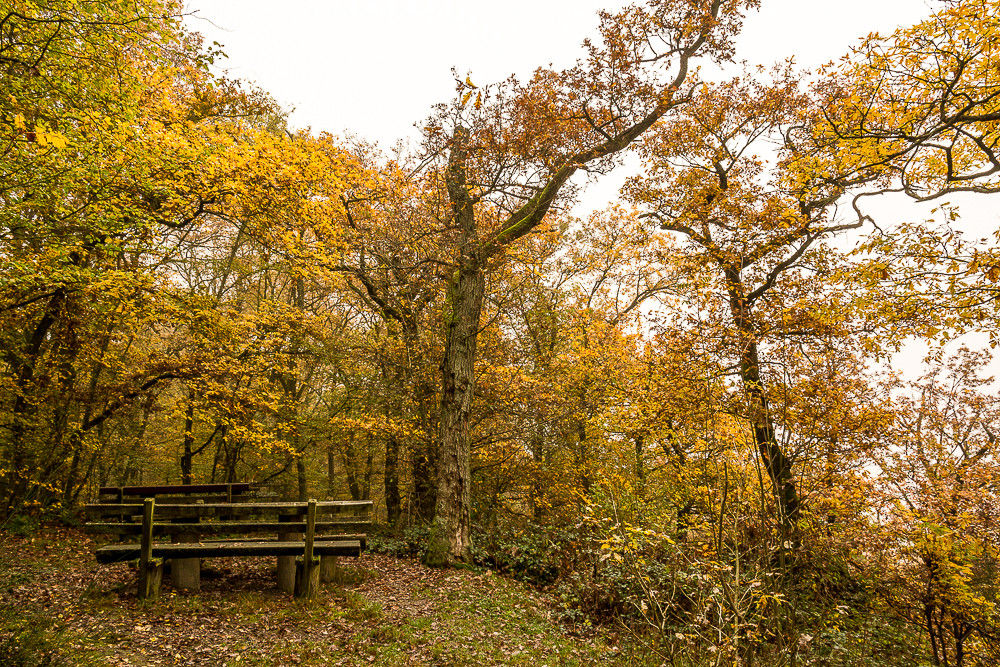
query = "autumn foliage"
x=678 y=410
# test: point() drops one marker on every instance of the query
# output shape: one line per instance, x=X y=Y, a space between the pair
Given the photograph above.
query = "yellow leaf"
x=19 y=121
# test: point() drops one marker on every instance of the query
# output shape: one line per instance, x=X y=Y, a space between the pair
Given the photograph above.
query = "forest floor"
x=59 y=607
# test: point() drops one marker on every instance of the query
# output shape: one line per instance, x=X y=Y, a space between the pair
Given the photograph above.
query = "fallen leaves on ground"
x=400 y=613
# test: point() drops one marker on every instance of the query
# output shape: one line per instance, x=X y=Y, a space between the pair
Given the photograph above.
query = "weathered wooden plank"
x=143 y=491
x=185 y=573
x=229 y=527
x=360 y=537
x=287 y=571
x=116 y=553
x=307 y=574
x=210 y=498
x=328 y=569
x=319 y=538
x=207 y=510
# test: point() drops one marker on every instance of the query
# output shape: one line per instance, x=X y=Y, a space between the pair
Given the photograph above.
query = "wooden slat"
x=206 y=510
x=227 y=527
x=174 y=488
x=360 y=537
x=210 y=498
x=117 y=553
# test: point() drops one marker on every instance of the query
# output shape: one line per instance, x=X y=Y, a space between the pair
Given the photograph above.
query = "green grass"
x=32 y=640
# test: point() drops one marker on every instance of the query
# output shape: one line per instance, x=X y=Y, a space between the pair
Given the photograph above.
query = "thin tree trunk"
x=188 y=456
x=776 y=463
x=778 y=466
x=423 y=456
x=639 y=443
x=300 y=474
x=391 y=480
x=14 y=485
x=424 y=464
x=331 y=472
x=350 y=458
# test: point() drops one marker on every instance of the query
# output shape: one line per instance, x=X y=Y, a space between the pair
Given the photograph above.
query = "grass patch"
x=31 y=640
x=349 y=576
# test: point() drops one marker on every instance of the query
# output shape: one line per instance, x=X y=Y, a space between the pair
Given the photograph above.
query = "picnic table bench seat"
x=307 y=537
x=117 y=553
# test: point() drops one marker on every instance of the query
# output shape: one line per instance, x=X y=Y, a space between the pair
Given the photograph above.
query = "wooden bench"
x=186 y=573
x=309 y=536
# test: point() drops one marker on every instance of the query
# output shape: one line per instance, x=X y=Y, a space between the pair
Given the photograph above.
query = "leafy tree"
x=511 y=149
x=941 y=481
x=754 y=238
x=90 y=88
x=918 y=108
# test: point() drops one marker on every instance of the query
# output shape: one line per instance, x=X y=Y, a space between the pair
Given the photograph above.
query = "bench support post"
x=307 y=568
x=150 y=569
x=327 y=569
x=185 y=573
x=286 y=564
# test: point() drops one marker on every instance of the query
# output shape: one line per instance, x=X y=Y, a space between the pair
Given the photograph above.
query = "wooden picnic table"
x=310 y=535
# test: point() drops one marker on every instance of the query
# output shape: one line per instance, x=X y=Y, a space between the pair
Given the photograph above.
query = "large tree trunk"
x=451 y=536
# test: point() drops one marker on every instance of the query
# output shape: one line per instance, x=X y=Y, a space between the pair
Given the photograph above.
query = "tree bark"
x=424 y=464
x=452 y=521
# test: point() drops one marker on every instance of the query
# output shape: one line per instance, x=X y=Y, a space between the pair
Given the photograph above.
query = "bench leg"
x=327 y=569
x=286 y=564
x=307 y=578
x=150 y=569
x=185 y=573
x=150 y=580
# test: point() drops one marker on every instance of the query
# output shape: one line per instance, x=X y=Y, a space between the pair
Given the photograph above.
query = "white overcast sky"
x=375 y=67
